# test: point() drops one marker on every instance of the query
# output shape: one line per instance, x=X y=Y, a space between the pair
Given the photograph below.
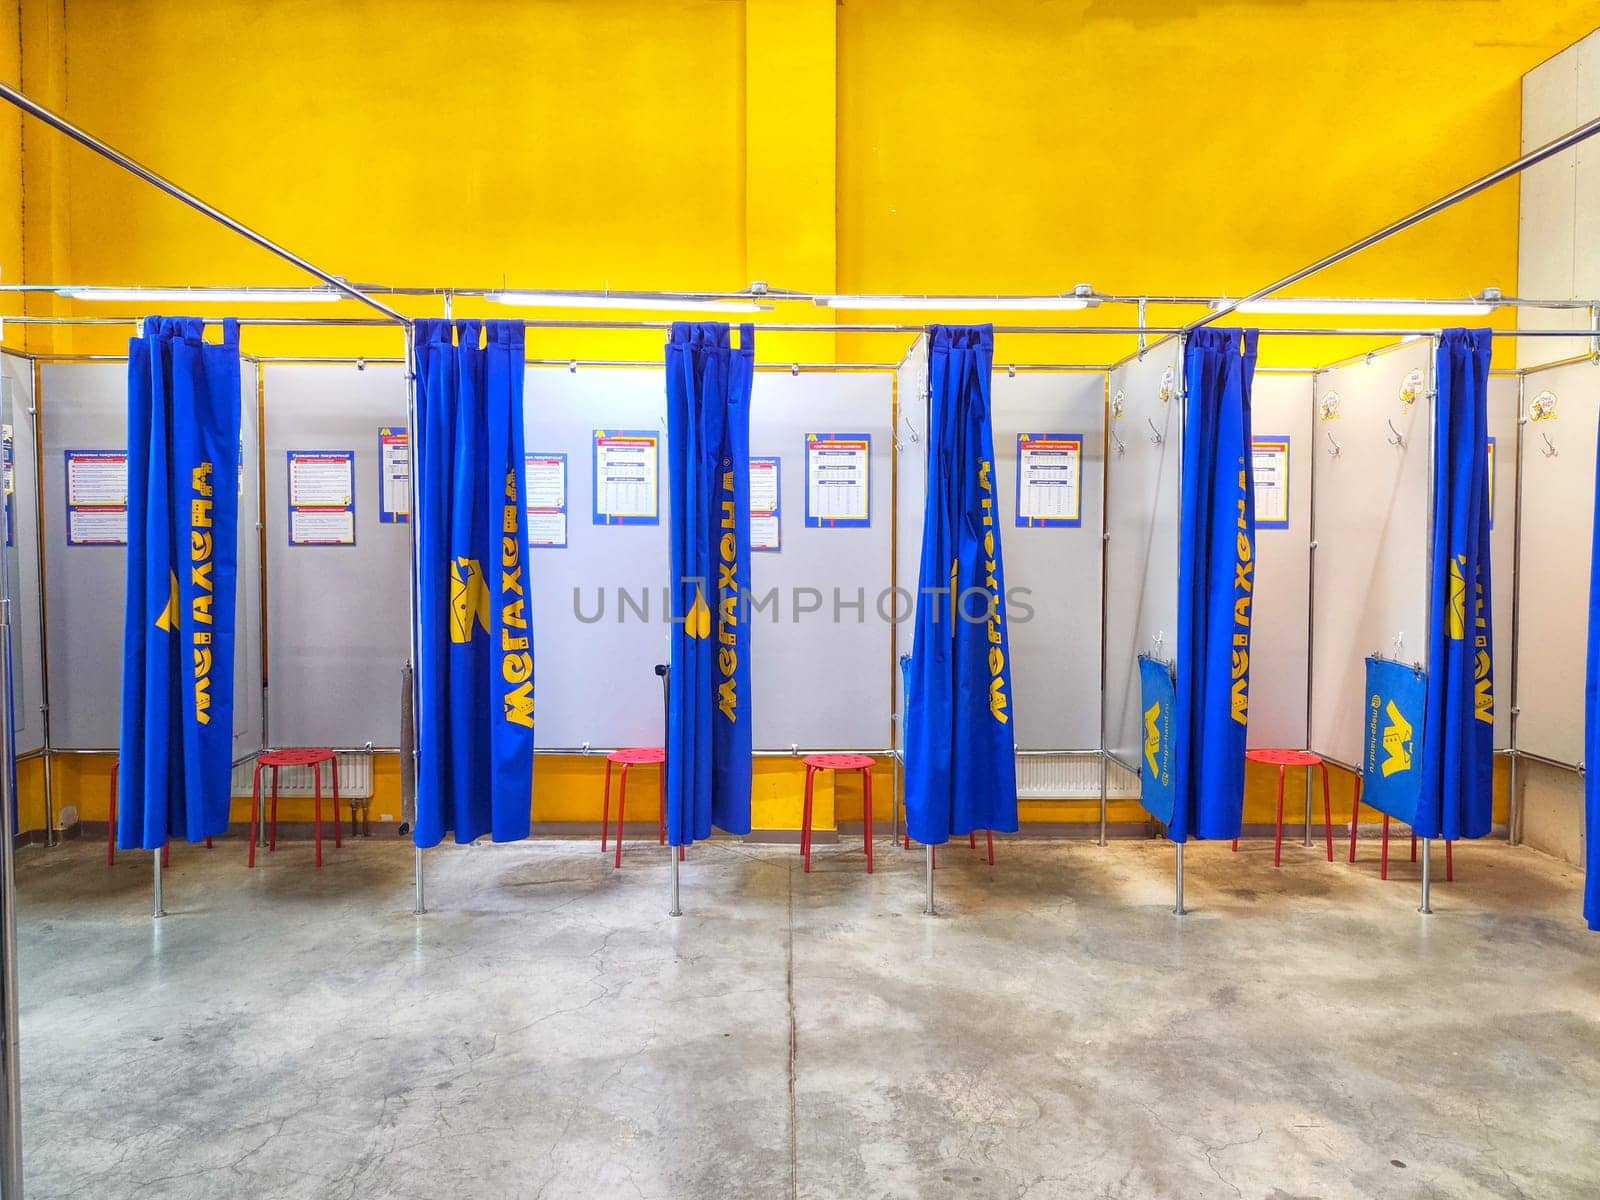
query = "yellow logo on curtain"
x=1152 y=737
x=698 y=623
x=168 y=619
x=1458 y=598
x=727 y=602
x=1397 y=742
x=469 y=599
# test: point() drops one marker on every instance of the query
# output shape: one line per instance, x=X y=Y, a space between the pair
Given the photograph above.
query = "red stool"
x=638 y=756
x=1383 y=855
x=111 y=825
x=972 y=843
x=313 y=758
x=1283 y=760
x=838 y=762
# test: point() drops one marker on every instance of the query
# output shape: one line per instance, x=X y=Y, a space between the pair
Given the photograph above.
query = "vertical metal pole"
x=1308 y=806
x=1427 y=846
x=1177 y=909
x=1105 y=576
x=1105 y=768
x=10 y=1063
x=927 y=881
x=677 y=906
x=157 y=909
x=44 y=600
x=665 y=671
x=419 y=901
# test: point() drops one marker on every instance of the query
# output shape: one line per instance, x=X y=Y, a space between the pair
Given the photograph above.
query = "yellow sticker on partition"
x=1118 y=403
x=1167 y=377
x=1543 y=407
x=1411 y=386
x=1330 y=407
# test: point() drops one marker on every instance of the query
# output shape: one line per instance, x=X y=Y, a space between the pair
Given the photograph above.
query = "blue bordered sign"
x=546 y=474
x=1269 y=458
x=97 y=497
x=626 y=490
x=1049 y=480
x=766 y=505
x=322 y=497
x=394 y=475
x=838 y=480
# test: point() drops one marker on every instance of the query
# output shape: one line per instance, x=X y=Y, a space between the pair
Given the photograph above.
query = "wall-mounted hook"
x=899 y=446
x=913 y=429
x=361 y=364
x=1155 y=434
x=794 y=368
x=1011 y=371
x=586 y=747
x=572 y=367
x=1122 y=446
x=1398 y=439
x=1550 y=450
x=1159 y=637
x=1399 y=646
x=1334 y=449
x=1142 y=342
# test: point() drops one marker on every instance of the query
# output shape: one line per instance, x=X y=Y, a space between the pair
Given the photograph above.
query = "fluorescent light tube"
x=200 y=295
x=957 y=303
x=1372 y=308
x=634 y=303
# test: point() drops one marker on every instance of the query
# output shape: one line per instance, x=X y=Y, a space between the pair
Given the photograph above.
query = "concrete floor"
x=547 y=1031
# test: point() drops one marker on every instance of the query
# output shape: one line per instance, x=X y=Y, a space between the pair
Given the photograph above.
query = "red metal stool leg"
x=661 y=806
x=1413 y=847
x=1355 y=817
x=166 y=852
x=1383 y=859
x=866 y=813
x=1327 y=812
x=333 y=770
x=255 y=810
x=1277 y=841
x=1449 y=862
x=272 y=838
x=805 y=821
x=316 y=790
x=622 y=803
x=111 y=823
x=989 y=833
x=605 y=810
x=972 y=839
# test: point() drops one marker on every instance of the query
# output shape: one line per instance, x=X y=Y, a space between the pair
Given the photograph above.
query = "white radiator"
x=355 y=778
x=1071 y=777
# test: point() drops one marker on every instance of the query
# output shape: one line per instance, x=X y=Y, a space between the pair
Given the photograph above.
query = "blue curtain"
x=1591 y=725
x=1216 y=586
x=176 y=740
x=475 y=620
x=960 y=750
x=708 y=461
x=1456 y=796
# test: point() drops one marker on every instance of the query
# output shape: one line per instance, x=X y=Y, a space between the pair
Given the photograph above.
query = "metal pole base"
x=927 y=878
x=677 y=907
x=1425 y=908
x=1177 y=908
x=420 y=906
x=157 y=909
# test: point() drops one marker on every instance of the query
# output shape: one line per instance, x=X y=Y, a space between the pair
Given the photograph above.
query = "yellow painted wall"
x=868 y=145
x=10 y=157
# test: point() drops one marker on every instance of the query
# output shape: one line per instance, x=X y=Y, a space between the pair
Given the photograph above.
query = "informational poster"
x=625 y=477
x=545 y=475
x=838 y=483
x=394 y=476
x=97 y=497
x=1049 y=480
x=1270 y=456
x=8 y=443
x=322 y=497
x=766 y=523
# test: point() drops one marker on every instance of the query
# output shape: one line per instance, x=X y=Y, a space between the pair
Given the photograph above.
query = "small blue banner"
x=1157 y=698
x=1391 y=765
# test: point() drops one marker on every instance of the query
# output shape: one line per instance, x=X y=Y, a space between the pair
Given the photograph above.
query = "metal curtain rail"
x=1530 y=159
x=84 y=138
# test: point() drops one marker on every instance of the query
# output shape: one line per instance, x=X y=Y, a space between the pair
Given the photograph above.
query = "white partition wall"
x=1558 y=465
x=911 y=490
x=1370 y=513
x=821 y=655
x=22 y=551
x=1143 y=496
x=1280 y=615
x=1052 y=572
x=249 y=699
x=338 y=617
